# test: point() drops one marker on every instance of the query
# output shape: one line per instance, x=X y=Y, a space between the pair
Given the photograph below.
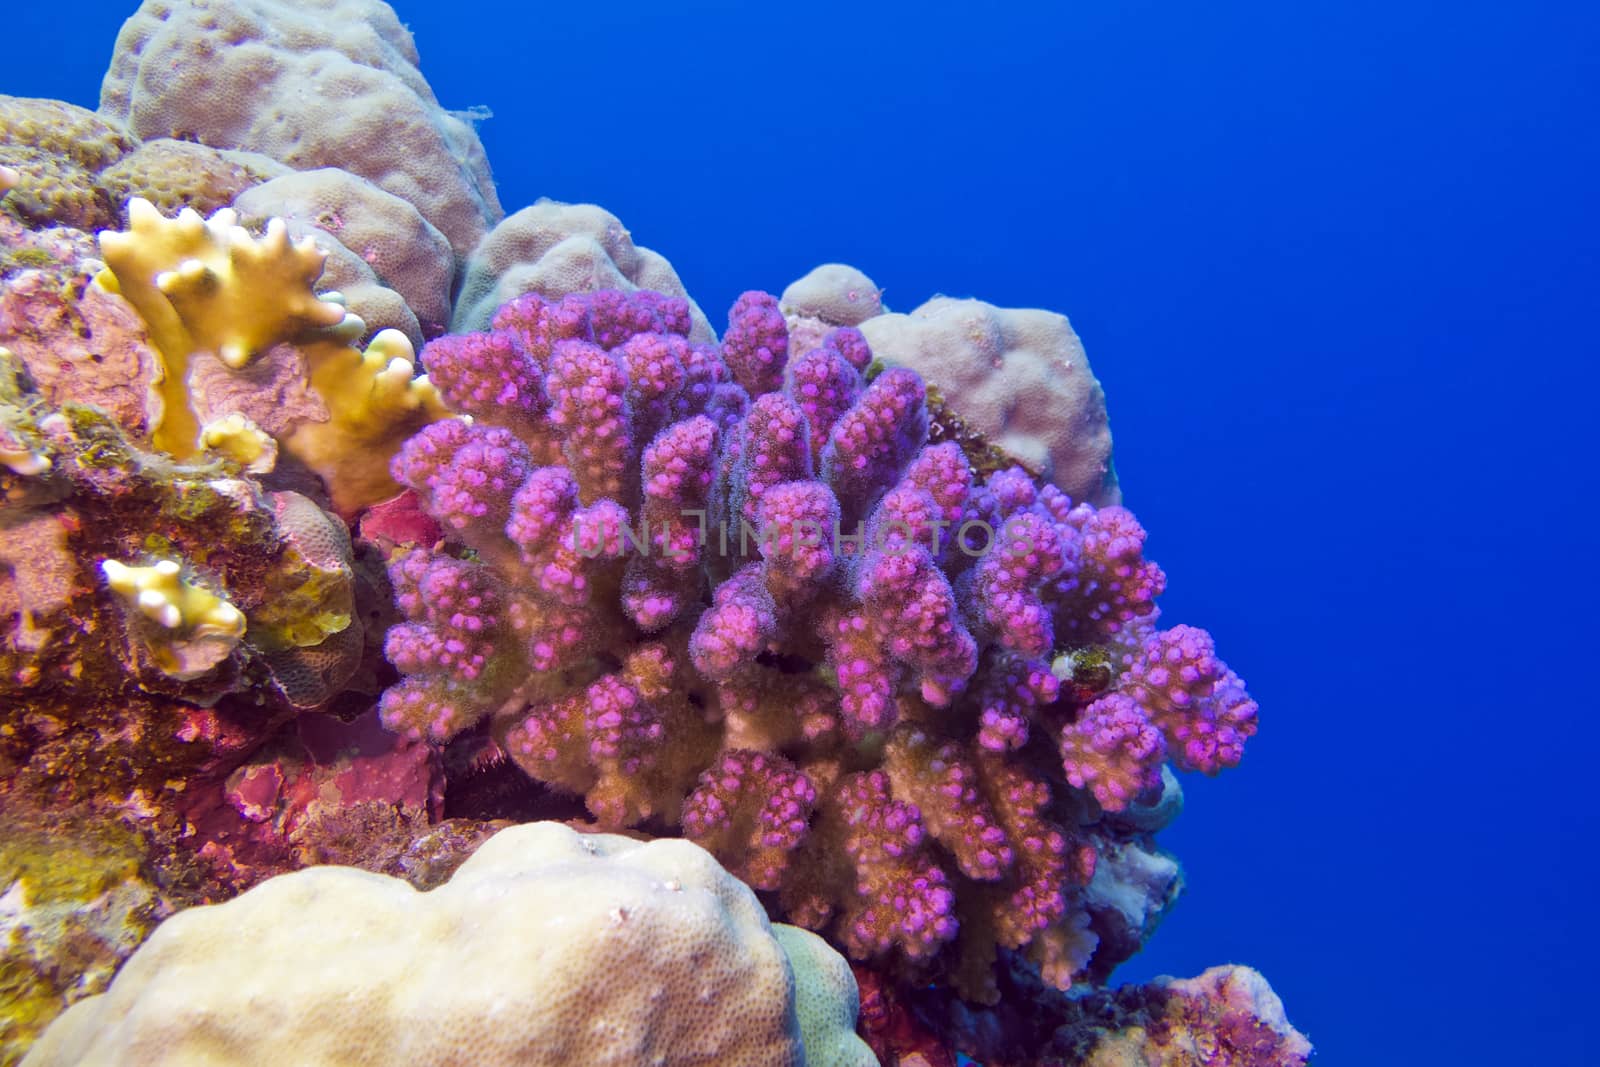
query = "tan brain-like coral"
x=835 y=294
x=174 y=175
x=311 y=83
x=556 y=249
x=547 y=947
x=829 y=296
x=825 y=999
x=399 y=248
x=1017 y=376
x=57 y=151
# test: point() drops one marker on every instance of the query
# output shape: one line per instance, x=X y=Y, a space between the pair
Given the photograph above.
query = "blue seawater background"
x=1335 y=263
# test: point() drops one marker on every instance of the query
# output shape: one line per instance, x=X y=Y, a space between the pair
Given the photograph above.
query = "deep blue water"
x=1336 y=265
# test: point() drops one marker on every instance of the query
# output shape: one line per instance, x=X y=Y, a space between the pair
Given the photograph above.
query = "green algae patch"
x=75 y=902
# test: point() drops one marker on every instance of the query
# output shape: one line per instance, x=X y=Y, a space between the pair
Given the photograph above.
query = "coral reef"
x=79 y=343
x=405 y=252
x=75 y=901
x=1023 y=381
x=554 y=249
x=917 y=737
x=207 y=289
x=136 y=593
x=309 y=85
x=843 y=602
x=202 y=337
x=78 y=168
x=325 y=791
x=56 y=152
x=503 y=964
x=1225 y=1017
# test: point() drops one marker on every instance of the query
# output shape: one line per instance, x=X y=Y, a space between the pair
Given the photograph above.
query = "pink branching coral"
x=718 y=590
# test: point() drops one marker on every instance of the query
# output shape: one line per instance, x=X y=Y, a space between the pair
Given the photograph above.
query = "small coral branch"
x=195 y=628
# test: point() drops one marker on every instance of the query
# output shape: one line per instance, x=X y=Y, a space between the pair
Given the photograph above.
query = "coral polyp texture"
x=1019 y=376
x=554 y=249
x=55 y=153
x=502 y=965
x=76 y=168
x=328 y=84
x=737 y=592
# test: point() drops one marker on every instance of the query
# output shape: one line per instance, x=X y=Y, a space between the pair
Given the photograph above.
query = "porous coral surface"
x=327 y=84
x=505 y=964
x=554 y=249
x=1022 y=379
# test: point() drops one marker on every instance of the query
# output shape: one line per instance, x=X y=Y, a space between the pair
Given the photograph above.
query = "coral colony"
x=798 y=696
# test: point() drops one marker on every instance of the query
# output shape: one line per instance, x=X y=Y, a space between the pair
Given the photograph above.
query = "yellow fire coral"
x=208 y=286
x=194 y=627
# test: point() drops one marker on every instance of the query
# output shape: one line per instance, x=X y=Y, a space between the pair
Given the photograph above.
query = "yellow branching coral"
x=242 y=441
x=194 y=629
x=207 y=285
x=374 y=404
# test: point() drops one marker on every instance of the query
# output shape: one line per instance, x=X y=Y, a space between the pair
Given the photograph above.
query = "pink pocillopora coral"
x=713 y=588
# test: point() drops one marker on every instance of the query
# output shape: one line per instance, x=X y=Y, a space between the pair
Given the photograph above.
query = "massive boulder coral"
x=55 y=152
x=739 y=593
x=834 y=294
x=403 y=250
x=1019 y=376
x=555 y=249
x=328 y=83
x=829 y=296
x=76 y=168
x=546 y=947
x=174 y=175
